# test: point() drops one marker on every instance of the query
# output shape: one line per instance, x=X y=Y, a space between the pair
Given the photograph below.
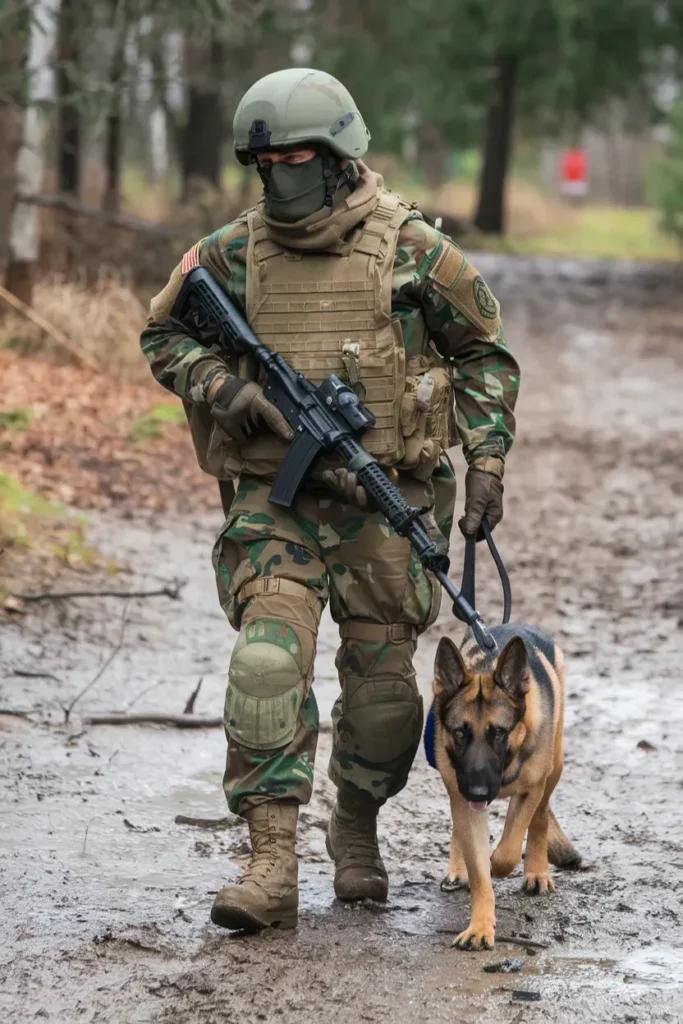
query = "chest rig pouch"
x=330 y=312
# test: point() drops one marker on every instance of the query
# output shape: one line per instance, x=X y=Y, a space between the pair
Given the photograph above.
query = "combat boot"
x=352 y=845
x=266 y=895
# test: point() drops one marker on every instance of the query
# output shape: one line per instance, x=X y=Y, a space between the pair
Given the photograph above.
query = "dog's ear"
x=450 y=672
x=512 y=672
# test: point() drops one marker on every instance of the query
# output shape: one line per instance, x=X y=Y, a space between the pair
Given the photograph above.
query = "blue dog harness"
x=429 y=738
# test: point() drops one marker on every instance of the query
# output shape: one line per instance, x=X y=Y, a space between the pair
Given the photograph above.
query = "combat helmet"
x=296 y=106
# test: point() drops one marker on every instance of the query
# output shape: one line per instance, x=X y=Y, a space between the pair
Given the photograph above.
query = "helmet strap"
x=335 y=177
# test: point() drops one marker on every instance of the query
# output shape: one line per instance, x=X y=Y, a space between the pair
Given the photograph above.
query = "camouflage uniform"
x=276 y=569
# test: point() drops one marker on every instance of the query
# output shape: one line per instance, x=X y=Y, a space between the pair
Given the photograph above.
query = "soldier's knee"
x=381 y=719
x=267 y=685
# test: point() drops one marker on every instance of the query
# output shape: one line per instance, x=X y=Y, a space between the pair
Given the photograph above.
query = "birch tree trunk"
x=11 y=101
x=24 y=235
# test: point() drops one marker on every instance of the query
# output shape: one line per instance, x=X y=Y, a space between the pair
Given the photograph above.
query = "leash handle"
x=467 y=586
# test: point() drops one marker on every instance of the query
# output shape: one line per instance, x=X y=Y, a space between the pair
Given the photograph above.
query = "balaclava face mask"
x=293 y=192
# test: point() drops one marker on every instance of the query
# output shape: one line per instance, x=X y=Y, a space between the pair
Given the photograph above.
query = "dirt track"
x=105 y=897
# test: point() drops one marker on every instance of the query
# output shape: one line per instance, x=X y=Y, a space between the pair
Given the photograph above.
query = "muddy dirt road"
x=105 y=895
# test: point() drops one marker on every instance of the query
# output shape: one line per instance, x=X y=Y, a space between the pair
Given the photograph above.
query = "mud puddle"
x=105 y=896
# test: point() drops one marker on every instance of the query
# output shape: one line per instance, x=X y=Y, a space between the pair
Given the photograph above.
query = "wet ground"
x=105 y=897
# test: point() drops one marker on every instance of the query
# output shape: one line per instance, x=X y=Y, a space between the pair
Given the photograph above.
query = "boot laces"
x=263 y=858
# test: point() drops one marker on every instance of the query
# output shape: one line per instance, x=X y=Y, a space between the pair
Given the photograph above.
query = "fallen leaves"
x=98 y=443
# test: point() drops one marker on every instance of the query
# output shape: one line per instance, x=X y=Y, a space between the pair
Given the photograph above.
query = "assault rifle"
x=325 y=418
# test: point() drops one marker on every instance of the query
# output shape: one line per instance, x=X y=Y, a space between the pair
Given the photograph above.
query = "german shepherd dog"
x=498 y=733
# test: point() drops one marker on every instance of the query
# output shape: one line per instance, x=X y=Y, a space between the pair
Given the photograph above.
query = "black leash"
x=468 y=570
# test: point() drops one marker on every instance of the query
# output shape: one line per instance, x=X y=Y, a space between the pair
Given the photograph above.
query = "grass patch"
x=16 y=500
x=39 y=541
x=11 y=343
x=16 y=419
x=610 y=232
x=151 y=426
x=542 y=224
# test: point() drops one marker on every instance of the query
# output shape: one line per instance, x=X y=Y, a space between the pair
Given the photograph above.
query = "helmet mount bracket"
x=259 y=136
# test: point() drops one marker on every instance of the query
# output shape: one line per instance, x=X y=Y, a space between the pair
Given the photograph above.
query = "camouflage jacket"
x=486 y=378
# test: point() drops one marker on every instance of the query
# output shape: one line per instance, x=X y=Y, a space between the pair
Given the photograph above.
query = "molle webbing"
x=308 y=306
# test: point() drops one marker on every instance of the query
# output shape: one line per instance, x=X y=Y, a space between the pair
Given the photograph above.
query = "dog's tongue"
x=479 y=805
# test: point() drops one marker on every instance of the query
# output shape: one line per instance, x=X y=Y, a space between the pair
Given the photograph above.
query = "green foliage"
x=151 y=426
x=667 y=177
x=11 y=343
x=16 y=498
x=38 y=539
x=599 y=232
x=16 y=419
x=426 y=62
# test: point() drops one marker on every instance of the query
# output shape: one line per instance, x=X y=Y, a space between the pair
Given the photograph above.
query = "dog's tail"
x=561 y=853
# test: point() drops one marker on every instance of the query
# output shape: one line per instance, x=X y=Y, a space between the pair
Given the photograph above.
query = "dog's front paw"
x=453 y=882
x=503 y=863
x=535 y=884
x=479 y=935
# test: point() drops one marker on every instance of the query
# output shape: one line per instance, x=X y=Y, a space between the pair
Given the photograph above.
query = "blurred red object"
x=574 y=172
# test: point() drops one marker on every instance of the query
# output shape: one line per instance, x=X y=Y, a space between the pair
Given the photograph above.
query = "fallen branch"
x=140 y=828
x=26 y=674
x=16 y=713
x=524 y=943
x=179 y=721
x=171 y=590
x=119 y=220
x=53 y=332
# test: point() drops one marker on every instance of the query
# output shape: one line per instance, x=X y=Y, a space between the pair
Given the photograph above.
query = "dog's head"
x=482 y=716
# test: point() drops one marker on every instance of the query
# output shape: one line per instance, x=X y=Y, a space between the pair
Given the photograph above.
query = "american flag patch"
x=190 y=259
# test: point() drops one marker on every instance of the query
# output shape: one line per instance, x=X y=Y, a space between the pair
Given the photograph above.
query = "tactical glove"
x=345 y=484
x=240 y=408
x=483 y=497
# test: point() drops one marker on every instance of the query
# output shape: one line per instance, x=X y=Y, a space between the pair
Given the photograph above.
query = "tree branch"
x=171 y=590
x=52 y=331
x=119 y=220
x=152 y=718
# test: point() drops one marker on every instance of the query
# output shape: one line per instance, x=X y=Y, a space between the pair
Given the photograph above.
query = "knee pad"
x=267 y=685
x=381 y=719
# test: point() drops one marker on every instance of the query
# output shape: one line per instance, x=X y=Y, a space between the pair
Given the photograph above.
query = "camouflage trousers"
x=276 y=569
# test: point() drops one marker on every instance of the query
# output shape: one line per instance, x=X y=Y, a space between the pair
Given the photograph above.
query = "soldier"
x=341 y=276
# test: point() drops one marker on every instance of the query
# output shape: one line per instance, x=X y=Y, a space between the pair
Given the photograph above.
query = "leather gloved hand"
x=345 y=484
x=483 y=496
x=240 y=409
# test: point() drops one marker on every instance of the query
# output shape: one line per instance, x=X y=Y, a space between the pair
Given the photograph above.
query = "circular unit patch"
x=486 y=304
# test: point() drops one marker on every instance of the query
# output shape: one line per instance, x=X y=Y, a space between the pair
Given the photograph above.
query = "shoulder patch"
x=454 y=277
x=486 y=304
x=191 y=259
